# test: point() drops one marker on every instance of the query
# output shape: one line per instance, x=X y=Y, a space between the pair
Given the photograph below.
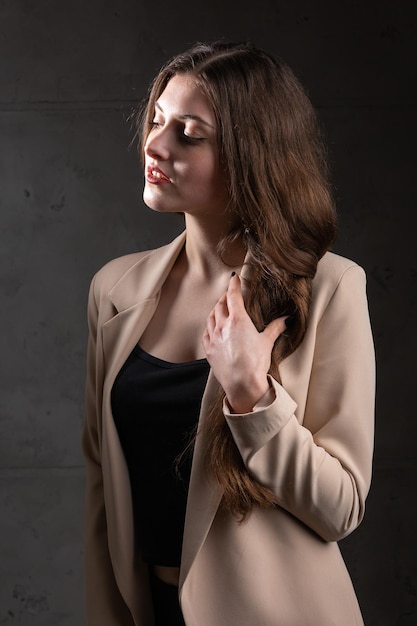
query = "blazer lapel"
x=120 y=336
x=135 y=298
x=204 y=494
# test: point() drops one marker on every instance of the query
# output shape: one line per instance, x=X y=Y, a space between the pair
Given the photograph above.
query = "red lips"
x=156 y=176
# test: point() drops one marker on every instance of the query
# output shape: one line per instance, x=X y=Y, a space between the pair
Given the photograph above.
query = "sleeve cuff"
x=262 y=404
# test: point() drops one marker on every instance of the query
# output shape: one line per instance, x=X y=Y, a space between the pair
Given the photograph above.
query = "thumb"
x=275 y=328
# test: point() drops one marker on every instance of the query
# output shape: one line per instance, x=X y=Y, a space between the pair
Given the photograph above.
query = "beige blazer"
x=312 y=445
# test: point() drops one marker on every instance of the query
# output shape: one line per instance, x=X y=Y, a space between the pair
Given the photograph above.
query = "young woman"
x=230 y=392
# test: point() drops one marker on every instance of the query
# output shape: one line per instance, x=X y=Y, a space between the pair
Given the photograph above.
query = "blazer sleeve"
x=104 y=603
x=319 y=464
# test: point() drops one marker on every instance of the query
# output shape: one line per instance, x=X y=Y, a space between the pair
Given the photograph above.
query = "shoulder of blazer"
x=335 y=273
x=330 y=270
x=110 y=274
x=117 y=270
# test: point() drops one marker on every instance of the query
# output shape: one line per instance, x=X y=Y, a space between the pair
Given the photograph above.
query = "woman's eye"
x=182 y=136
x=190 y=140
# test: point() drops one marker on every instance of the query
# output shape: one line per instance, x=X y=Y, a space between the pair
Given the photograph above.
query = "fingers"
x=231 y=305
x=236 y=305
x=221 y=311
x=234 y=295
x=275 y=328
x=211 y=323
x=217 y=316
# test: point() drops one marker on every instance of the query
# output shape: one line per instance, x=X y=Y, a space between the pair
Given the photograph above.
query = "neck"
x=201 y=250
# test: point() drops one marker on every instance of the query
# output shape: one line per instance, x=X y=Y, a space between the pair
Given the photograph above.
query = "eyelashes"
x=182 y=136
x=190 y=140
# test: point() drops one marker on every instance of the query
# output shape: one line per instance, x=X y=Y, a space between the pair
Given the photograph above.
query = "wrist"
x=244 y=399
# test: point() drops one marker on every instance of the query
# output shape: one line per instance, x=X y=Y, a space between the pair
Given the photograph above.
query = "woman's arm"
x=320 y=468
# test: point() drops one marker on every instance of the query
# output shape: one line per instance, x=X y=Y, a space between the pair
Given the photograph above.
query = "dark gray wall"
x=70 y=73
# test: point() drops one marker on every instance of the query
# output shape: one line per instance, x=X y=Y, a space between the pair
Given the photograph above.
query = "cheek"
x=218 y=180
x=209 y=172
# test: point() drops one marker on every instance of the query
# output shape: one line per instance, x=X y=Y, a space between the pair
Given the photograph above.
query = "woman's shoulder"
x=332 y=267
x=335 y=271
x=113 y=271
x=339 y=282
x=110 y=273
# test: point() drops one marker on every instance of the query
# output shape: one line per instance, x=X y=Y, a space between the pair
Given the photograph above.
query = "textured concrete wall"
x=70 y=73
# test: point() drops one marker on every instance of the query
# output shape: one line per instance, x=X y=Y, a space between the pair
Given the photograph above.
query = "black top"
x=155 y=406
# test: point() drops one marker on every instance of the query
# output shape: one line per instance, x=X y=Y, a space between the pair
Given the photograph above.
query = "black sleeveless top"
x=155 y=406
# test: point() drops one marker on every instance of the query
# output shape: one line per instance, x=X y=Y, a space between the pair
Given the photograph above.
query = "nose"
x=157 y=144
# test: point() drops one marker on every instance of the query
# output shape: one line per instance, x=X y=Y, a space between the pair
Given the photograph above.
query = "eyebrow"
x=187 y=116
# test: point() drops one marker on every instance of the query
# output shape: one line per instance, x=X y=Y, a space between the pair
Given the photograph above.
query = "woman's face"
x=182 y=170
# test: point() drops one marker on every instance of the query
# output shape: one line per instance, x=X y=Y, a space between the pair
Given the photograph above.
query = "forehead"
x=182 y=97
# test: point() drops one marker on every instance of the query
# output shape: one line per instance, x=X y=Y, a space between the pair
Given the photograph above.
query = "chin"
x=157 y=205
x=153 y=203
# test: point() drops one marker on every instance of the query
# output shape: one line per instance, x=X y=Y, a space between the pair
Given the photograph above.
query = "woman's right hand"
x=239 y=355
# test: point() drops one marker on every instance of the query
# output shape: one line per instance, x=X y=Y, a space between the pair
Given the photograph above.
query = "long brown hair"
x=273 y=157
